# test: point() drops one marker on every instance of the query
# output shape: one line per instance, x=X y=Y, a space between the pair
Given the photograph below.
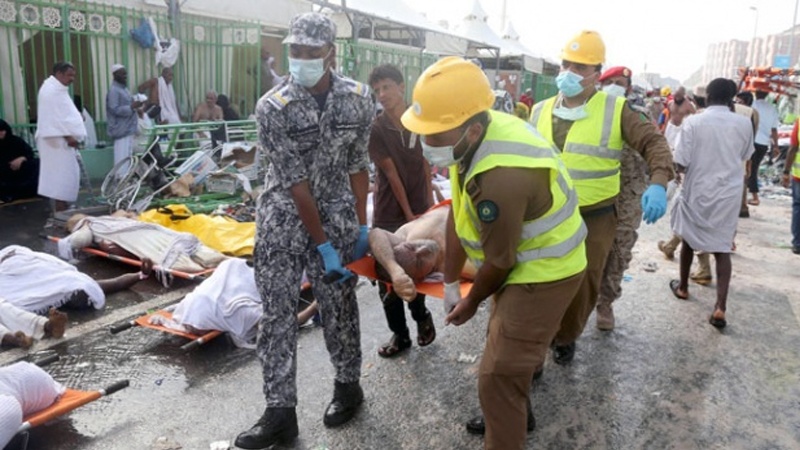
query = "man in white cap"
x=122 y=113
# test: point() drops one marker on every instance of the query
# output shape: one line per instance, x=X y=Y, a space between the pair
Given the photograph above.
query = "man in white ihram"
x=59 y=130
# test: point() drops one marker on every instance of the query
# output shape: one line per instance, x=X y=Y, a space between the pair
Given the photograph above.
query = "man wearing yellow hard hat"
x=591 y=128
x=515 y=216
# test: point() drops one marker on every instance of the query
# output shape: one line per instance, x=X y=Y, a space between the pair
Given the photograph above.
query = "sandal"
x=717 y=322
x=426 y=331
x=674 y=285
x=752 y=202
x=394 y=347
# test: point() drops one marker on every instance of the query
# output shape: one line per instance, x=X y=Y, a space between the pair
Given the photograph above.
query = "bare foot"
x=56 y=324
x=18 y=339
x=147 y=267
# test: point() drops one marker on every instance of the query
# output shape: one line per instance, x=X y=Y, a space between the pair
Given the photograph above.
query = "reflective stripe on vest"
x=550 y=247
x=593 y=160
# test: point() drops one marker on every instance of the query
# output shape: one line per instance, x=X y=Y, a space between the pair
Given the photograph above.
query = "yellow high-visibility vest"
x=551 y=247
x=592 y=149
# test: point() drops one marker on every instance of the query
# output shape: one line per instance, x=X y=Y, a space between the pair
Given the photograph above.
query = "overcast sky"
x=671 y=38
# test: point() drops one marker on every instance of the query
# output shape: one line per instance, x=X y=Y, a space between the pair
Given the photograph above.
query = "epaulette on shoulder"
x=280 y=98
x=357 y=88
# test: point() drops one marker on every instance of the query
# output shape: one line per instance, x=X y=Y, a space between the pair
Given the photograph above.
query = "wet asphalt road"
x=663 y=379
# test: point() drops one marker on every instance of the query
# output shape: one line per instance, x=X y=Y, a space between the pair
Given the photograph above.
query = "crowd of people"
x=546 y=201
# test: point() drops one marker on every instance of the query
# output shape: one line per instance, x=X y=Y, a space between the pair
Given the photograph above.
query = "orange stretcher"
x=195 y=340
x=366 y=268
x=72 y=399
x=192 y=276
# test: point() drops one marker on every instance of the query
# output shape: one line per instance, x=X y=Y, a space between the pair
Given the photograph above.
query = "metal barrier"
x=214 y=54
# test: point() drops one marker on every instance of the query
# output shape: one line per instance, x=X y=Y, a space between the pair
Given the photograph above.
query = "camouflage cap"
x=312 y=29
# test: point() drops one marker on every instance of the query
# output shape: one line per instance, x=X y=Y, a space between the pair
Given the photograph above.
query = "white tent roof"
x=438 y=39
x=475 y=29
x=273 y=13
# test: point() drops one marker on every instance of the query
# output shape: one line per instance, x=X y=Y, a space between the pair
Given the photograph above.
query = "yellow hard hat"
x=665 y=91
x=585 y=48
x=448 y=92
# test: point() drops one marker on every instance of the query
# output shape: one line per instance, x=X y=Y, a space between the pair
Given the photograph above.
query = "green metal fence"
x=214 y=55
x=545 y=87
x=357 y=59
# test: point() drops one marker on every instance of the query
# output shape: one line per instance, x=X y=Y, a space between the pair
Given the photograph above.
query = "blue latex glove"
x=362 y=245
x=333 y=265
x=654 y=203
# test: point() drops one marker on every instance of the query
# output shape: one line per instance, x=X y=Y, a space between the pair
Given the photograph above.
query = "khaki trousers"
x=522 y=324
x=601 y=232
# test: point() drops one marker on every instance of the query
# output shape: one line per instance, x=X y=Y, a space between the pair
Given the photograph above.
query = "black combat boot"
x=276 y=426
x=563 y=354
x=347 y=397
x=477 y=425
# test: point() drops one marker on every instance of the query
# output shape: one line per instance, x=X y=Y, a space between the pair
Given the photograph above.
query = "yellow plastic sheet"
x=221 y=233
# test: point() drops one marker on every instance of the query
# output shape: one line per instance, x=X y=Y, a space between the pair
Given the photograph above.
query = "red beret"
x=619 y=71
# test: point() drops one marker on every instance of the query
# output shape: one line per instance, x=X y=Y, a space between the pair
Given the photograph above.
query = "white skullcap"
x=116 y=67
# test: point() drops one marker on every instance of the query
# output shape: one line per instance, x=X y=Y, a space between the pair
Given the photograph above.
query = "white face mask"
x=307 y=72
x=441 y=157
x=571 y=114
x=615 y=90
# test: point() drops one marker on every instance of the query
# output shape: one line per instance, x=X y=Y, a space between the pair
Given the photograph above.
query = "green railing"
x=357 y=59
x=214 y=54
x=544 y=87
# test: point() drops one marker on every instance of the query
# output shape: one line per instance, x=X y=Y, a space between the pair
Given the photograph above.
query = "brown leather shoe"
x=394 y=347
x=426 y=331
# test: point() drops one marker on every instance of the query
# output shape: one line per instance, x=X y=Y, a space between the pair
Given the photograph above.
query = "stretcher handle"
x=118 y=386
x=191 y=345
x=122 y=327
x=47 y=360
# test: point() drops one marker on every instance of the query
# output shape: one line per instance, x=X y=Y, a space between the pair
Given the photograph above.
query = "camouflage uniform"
x=633 y=183
x=323 y=147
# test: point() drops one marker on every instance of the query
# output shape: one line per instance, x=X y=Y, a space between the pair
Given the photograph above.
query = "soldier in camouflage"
x=314 y=129
x=633 y=182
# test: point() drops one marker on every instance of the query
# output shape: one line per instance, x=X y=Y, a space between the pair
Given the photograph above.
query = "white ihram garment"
x=227 y=301
x=166 y=100
x=24 y=389
x=13 y=319
x=167 y=248
x=35 y=281
x=59 y=173
x=713 y=147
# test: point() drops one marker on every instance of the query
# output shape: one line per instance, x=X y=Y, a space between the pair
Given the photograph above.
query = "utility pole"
x=791 y=36
x=503 y=16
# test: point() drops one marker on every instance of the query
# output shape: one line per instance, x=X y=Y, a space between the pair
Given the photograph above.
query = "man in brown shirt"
x=402 y=192
x=515 y=215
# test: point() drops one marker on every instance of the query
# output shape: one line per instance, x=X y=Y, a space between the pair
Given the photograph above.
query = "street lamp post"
x=755 y=33
x=791 y=36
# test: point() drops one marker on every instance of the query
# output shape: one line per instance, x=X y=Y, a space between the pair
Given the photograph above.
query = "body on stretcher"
x=153 y=322
x=70 y=400
x=366 y=268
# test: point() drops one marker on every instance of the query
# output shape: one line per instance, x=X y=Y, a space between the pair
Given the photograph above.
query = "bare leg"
x=687 y=255
x=724 y=269
x=304 y=315
x=61 y=205
x=123 y=282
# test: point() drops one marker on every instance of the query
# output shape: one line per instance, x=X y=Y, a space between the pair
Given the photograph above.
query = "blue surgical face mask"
x=307 y=72
x=569 y=83
x=571 y=114
x=441 y=157
x=615 y=90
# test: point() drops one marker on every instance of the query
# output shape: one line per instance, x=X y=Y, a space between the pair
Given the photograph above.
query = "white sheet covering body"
x=24 y=389
x=227 y=301
x=167 y=248
x=59 y=173
x=35 y=281
x=713 y=146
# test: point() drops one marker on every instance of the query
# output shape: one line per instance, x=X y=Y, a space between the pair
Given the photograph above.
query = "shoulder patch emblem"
x=488 y=211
